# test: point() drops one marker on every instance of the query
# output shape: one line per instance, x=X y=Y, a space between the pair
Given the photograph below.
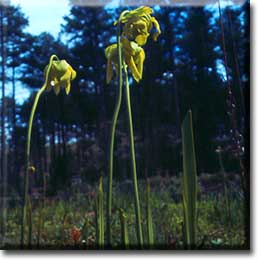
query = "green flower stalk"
x=30 y=223
x=150 y=233
x=58 y=74
x=132 y=152
x=112 y=140
x=127 y=53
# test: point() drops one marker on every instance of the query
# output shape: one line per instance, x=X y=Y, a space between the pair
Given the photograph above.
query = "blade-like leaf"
x=189 y=181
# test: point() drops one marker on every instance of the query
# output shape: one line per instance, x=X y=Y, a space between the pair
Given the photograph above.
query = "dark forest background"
x=183 y=70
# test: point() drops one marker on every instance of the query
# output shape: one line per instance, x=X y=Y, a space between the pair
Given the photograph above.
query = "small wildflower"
x=60 y=76
x=75 y=234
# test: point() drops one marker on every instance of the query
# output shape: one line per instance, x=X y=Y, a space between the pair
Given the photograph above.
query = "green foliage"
x=30 y=224
x=189 y=182
x=124 y=232
x=149 y=220
x=40 y=224
x=100 y=221
x=133 y=161
x=225 y=187
x=167 y=222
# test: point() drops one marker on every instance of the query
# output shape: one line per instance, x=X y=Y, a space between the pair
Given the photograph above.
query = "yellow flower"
x=60 y=76
x=133 y=56
x=138 y=24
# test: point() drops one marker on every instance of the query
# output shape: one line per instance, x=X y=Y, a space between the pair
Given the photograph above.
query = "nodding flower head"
x=138 y=23
x=60 y=76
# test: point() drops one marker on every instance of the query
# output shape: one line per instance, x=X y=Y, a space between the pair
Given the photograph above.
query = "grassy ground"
x=70 y=223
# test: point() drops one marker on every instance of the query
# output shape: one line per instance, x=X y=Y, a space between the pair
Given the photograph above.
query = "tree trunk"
x=53 y=147
x=3 y=140
x=15 y=150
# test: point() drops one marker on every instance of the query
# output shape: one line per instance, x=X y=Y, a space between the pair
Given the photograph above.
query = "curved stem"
x=112 y=139
x=28 y=148
x=132 y=151
x=26 y=181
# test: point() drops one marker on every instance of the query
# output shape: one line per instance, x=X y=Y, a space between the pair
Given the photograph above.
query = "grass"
x=167 y=215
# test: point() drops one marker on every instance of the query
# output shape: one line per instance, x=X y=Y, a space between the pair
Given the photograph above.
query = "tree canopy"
x=185 y=69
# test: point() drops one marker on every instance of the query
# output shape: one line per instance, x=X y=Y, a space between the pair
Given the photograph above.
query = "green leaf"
x=189 y=182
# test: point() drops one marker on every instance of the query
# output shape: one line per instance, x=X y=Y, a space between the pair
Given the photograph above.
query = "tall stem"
x=28 y=148
x=112 y=139
x=132 y=151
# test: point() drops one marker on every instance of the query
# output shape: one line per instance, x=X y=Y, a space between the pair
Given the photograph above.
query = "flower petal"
x=111 y=55
x=56 y=89
x=73 y=73
x=139 y=62
x=141 y=39
x=49 y=79
x=67 y=88
x=60 y=67
x=139 y=12
x=130 y=62
x=109 y=73
x=157 y=27
x=66 y=76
